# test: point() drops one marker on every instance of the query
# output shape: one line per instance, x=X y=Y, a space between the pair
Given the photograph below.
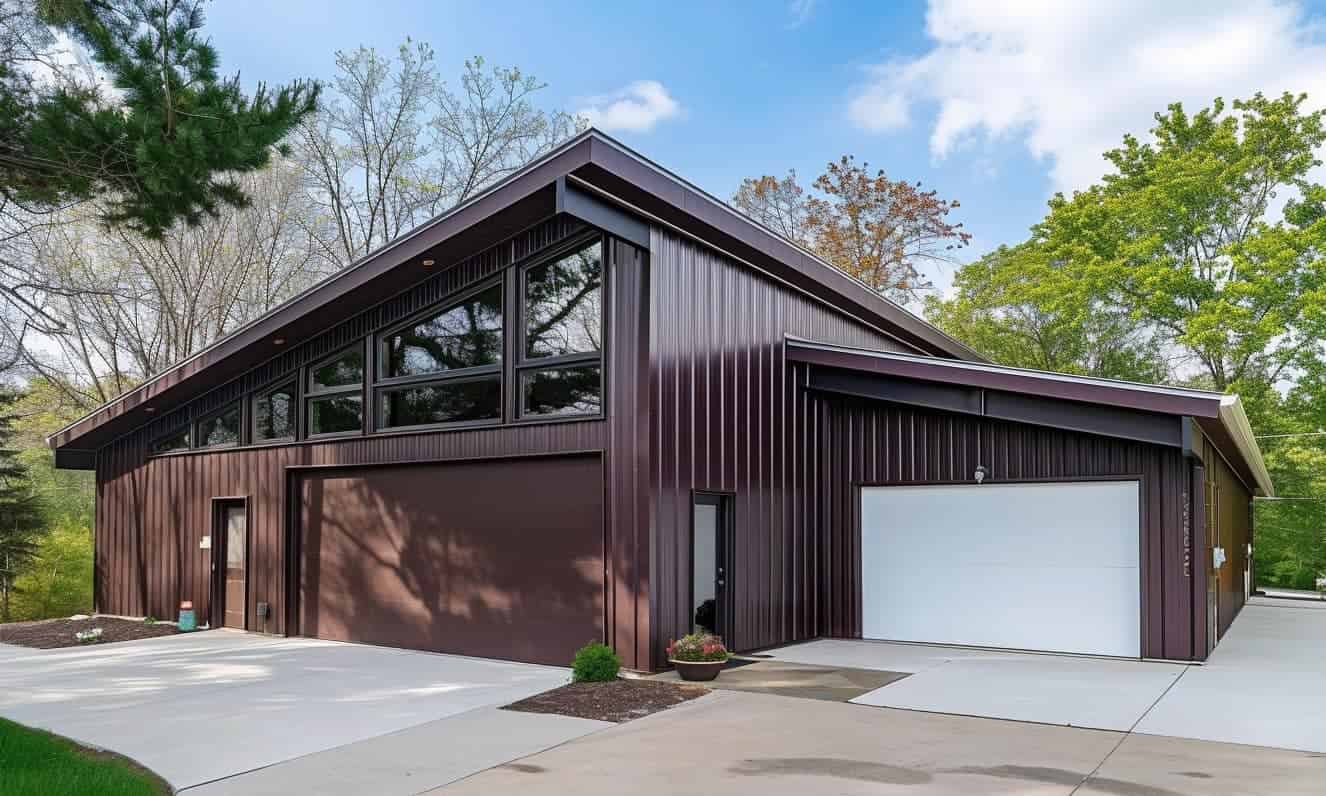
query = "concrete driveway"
x=744 y=743
x=207 y=707
x=1261 y=686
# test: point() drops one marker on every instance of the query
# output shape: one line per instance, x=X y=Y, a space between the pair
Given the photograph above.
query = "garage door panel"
x=1025 y=566
x=1055 y=525
x=494 y=559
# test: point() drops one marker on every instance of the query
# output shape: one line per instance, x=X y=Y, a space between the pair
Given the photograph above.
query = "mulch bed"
x=617 y=701
x=54 y=633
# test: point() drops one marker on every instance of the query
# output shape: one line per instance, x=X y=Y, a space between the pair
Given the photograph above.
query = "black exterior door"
x=711 y=551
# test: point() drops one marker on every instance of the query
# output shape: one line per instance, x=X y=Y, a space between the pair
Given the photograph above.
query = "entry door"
x=1043 y=566
x=710 y=552
x=234 y=532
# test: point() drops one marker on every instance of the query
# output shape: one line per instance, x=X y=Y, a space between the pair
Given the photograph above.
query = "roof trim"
x=1235 y=421
x=1180 y=401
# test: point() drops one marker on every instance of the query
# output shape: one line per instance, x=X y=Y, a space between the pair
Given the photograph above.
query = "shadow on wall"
x=494 y=559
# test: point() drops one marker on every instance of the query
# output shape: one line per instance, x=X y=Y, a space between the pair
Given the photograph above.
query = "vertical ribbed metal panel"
x=1230 y=511
x=152 y=512
x=874 y=442
x=726 y=415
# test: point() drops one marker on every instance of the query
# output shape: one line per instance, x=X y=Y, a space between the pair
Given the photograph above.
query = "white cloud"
x=1069 y=79
x=800 y=12
x=635 y=108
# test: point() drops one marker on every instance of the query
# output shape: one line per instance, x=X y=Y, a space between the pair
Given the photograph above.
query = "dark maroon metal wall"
x=1228 y=518
x=725 y=416
x=152 y=512
x=871 y=441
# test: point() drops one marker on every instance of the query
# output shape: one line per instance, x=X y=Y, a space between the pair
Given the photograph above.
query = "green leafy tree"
x=1177 y=267
x=20 y=509
x=1179 y=237
x=163 y=143
x=1015 y=306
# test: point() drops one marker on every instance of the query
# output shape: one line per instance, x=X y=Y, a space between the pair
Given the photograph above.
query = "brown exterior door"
x=234 y=528
x=499 y=558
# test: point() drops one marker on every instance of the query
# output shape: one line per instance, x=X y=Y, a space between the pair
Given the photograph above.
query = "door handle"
x=720 y=583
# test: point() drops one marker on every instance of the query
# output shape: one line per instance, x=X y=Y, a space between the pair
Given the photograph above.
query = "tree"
x=882 y=231
x=1179 y=260
x=1014 y=306
x=127 y=307
x=778 y=204
x=394 y=146
x=20 y=509
x=1179 y=237
x=162 y=142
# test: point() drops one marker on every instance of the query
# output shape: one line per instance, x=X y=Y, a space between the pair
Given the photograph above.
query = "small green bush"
x=595 y=663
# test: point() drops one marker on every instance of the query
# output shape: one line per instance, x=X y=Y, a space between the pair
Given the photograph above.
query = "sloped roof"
x=591 y=162
x=1220 y=415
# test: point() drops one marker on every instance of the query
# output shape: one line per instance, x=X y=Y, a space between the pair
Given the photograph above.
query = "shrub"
x=595 y=663
x=698 y=647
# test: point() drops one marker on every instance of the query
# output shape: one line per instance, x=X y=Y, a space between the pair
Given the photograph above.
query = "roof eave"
x=1235 y=421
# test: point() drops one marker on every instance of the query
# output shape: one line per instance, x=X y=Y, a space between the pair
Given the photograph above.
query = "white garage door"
x=1027 y=566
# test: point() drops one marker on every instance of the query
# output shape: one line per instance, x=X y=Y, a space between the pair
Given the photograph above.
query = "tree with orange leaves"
x=884 y=232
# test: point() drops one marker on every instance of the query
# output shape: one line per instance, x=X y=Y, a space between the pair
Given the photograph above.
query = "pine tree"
x=166 y=144
x=20 y=508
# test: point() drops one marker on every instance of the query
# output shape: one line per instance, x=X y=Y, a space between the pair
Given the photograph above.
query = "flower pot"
x=698 y=671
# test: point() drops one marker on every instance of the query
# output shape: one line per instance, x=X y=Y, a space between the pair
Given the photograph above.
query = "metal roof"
x=1211 y=409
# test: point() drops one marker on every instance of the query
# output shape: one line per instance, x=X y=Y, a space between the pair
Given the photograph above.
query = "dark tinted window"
x=446 y=402
x=335 y=414
x=274 y=414
x=345 y=370
x=561 y=391
x=174 y=442
x=564 y=305
x=467 y=335
x=220 y=429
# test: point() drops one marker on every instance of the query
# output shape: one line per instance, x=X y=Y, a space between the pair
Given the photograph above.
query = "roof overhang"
x=591 y=177
x=1144 y=412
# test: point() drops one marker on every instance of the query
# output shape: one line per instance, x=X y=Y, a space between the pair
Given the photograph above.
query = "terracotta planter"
x=698 y=671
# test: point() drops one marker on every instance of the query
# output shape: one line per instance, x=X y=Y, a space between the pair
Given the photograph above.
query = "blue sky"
x=997 y=103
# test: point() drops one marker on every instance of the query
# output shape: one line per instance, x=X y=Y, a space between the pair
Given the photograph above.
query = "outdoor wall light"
x=980 y=473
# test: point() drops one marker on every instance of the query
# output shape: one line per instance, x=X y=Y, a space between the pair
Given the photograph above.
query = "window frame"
x=381 y=379
x=186 y=429
x=307 y=394
x=522 y=363
x=384 y=384
x=290 y=381
x=196 y=434
x=380 y=406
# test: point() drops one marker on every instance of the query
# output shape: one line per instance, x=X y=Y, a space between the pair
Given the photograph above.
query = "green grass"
x=37 y=763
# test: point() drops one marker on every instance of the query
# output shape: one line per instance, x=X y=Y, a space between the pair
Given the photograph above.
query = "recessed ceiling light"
x=278 y=340
x=149 y=409
x=427 y=263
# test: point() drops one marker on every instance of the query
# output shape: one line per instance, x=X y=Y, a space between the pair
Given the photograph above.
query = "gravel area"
x=617 y=701
x=55 y=633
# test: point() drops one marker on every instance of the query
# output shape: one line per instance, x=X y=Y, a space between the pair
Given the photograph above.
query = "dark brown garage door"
x=500 y=559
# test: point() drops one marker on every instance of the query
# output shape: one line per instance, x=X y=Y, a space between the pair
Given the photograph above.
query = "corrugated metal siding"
x=152 y=512
x=726 y=417
x=872 y=442
x=1229 y=511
